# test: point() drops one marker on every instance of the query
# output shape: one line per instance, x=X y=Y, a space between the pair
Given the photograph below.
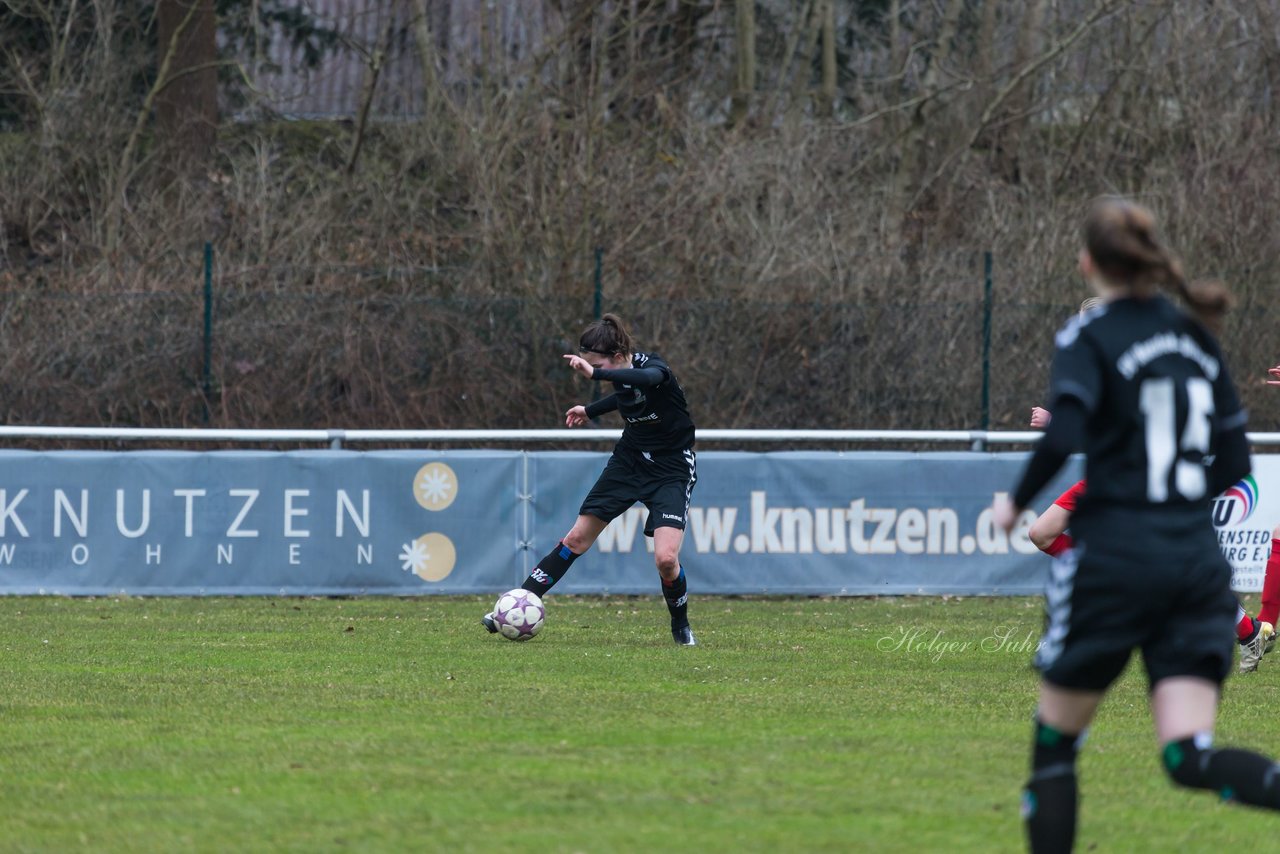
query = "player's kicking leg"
x=556 y=563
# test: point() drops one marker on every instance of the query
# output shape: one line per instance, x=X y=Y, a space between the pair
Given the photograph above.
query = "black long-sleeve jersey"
x=1144 y=389
x=651 y=402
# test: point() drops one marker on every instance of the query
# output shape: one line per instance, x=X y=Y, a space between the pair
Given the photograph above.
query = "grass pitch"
x=399 y=725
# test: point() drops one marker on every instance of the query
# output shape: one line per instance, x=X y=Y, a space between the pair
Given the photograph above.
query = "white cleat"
x=1252 y=650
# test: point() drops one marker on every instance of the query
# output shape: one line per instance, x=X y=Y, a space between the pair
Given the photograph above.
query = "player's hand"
x=576 y=417
x=580 y=365
x=1003 y=513
x=1275 y=375
x=1039 y=417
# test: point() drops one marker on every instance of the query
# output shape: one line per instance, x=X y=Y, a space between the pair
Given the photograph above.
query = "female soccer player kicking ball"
x=1144 y=387
x=652 y=463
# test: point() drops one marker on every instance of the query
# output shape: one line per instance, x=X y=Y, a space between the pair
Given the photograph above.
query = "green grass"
x=396 y=725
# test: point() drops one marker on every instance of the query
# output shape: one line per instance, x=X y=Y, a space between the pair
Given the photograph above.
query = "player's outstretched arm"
x=579 y=365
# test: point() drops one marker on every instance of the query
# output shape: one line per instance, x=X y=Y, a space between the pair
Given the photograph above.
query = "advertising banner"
x=332 y=522
x=812 y=522
x=249 y=522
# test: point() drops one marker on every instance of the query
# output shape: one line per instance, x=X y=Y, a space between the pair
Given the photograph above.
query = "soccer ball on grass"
x=519 y=614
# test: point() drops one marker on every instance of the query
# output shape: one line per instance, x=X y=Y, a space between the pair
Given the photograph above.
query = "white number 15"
x=1165 y=448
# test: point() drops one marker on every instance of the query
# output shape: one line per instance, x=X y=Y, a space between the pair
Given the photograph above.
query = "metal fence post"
x=206 y=379
x=986 y=341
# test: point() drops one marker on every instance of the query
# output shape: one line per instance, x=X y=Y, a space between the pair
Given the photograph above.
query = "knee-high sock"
x=550 y=569
x=1244 y=625
x=1049 y=799
x=676 y=592
x=1236 y=775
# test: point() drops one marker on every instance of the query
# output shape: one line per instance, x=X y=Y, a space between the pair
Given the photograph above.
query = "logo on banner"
x=435 y=486
x=1235 y=505
x=432 y=556
x=1245 y=546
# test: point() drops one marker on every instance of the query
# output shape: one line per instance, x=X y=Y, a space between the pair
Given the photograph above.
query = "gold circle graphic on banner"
x=435 y=486
x=430 y=557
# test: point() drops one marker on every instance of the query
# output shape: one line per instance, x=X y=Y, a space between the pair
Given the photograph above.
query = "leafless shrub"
x=797 y=269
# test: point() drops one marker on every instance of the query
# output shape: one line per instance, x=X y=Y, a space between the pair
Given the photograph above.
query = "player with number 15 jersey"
x=1157 y=392
x=1143 y=386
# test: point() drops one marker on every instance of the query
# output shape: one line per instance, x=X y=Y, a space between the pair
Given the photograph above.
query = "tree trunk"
x=828 y=90
x=810 y=32
x=744 y=60
x=1009 y=140
x=1269 y=48
x=427 y=54
x=985 y=52
x=187 y=103
x=918 y=136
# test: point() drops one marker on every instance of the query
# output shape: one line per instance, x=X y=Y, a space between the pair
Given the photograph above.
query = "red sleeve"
x=1067 y=500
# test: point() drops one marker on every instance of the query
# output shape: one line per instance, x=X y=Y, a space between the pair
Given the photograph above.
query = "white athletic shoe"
x=1252 y=650
x=1270 y=631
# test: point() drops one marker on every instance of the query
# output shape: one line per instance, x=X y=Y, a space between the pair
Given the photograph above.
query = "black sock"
x=1049 y=800
x=550 y=569
x=676 y=592
x=1247 y=777
x=1236 y=775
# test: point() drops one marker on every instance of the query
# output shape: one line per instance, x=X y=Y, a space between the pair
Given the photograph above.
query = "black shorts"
x=1178 y=609
x=663 y=482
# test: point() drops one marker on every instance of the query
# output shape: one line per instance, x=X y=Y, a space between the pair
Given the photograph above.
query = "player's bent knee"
x=577 y=543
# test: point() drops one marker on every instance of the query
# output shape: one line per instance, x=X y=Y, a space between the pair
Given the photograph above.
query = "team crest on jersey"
x=1236 y=504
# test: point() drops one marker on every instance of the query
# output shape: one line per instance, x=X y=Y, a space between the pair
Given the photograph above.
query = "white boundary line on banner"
x=976 y=439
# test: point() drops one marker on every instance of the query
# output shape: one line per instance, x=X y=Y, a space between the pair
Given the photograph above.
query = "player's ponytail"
x=607 y=336
x=1120 y=236
x=1208 y=300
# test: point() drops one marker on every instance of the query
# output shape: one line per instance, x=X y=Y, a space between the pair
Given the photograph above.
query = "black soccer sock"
x=1236 y=775
x=550 y=569
x=676 y=592
x=1049 y=800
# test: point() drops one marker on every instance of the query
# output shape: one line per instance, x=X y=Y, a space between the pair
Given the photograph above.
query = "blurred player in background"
x=1049 y=531
x=1142 y=385
x=1270 y=609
